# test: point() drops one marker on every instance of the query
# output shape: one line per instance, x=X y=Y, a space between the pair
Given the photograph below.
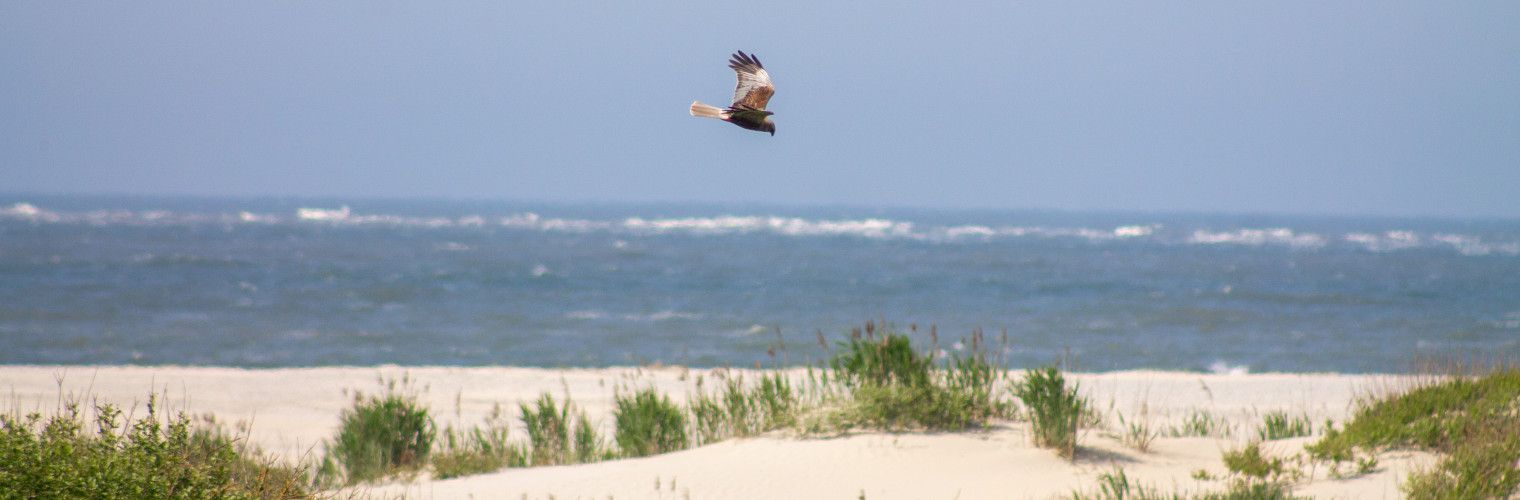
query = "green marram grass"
x=63 y=456
x=380 y=435
x=648 y=424
x=1474 y=421
x=1279 y=425
x=479 y=449
x=890 y=385
x=1055 y=411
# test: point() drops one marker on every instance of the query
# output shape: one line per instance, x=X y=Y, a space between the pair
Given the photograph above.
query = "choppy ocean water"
x=265 y=282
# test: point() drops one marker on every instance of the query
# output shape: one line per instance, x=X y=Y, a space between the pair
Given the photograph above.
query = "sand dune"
x=292 y=410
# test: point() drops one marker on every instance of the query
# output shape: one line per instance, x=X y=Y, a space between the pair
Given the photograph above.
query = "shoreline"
x=291 y=411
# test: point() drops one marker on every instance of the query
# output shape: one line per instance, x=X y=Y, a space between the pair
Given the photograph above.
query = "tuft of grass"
x=1473 y=420
x=648 y=424
x=891 y=386
x=889 y=361
x=1278 y=425
x=1116 y=485
x=589 y=446
x=1055 y=411
x=548 y=428
x=478 y=450
x=152 y=457
x=1137 y=434
x=1200 y=423
x=1250 y=462
x=381 y=435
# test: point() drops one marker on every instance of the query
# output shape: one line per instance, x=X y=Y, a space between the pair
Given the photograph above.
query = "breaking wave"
x=869 y=228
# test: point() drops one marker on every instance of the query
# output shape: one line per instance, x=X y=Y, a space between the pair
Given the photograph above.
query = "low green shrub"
x=1473 y=420
x=382 y=434
x=478 y=450
x=892 y=386
x=648 y=424
x=1055 y=411
x=548 y=428
x=151 y=457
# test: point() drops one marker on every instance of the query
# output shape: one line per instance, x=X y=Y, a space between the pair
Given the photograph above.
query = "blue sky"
x=1391 y=108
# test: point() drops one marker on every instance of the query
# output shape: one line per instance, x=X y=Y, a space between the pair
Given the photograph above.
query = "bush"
x=1278 y=425
x=548 y=430
x=478 y=450
x=57 y=458
x=892 y=386
x=1472 y=420
x=648 y=424
x=889 y=361
x=1055 y=412
x=381 y=435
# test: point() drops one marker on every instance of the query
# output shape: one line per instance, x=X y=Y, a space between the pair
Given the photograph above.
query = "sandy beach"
x=291 y=411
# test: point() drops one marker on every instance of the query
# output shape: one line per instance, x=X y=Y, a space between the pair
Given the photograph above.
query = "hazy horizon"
x=1403 y=109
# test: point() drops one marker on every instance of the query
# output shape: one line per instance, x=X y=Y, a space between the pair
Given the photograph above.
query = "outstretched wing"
x=755 y=88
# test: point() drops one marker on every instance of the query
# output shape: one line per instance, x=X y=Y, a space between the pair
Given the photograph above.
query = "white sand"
x=291 y=411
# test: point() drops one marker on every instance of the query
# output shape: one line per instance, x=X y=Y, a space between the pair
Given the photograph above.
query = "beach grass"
x=1055 y=411
x=479 y=449
x=155 y=456
x=648 y=423
x=1279 y=425
x=892 y=386
x=1472 y=420
x=380 y=435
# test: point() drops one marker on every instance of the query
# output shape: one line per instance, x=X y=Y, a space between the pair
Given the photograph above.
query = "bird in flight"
x=754 y=91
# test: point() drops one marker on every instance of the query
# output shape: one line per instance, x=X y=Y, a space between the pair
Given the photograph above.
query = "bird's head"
x=770 y=126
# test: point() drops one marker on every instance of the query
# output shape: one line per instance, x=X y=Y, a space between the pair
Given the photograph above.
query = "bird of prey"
x=754 y=91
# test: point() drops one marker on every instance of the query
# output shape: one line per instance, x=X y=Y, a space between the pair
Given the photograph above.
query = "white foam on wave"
x=790 y=226
x=1475 y=246
x=1258 y=237
x=1386 y=242
x=1219 y=367
x=323 y=214
x=28 y=211
x=662 y=316
x=588 y=314
x=958 y=232
x=253 y=218
x=1135 y=231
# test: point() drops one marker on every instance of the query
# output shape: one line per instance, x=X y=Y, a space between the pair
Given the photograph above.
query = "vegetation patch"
x=152 y=457
x=1473 y=421
x=648 y=424
x=479 y=449
x=890 y=385
x=1279 y=425
x=1055 y=411
x=380 y=435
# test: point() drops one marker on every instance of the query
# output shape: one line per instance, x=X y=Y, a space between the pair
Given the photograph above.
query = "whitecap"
x=1388 y=241
x=662 y=316
x=588 y=314
x=1474 y=246
x=1222 y=368
x=253 y=218
x=973 y=231
x=1258 y=237
x=323 y=214
x=539 y=270
x=1134 y=231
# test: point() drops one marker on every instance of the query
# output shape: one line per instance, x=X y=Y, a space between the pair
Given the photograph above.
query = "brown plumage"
x=750 y=97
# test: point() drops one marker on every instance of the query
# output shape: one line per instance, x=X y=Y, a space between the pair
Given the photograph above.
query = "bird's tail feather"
x=705 y=111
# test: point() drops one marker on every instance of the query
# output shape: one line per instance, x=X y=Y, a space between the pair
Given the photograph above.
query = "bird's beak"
x=773 y=133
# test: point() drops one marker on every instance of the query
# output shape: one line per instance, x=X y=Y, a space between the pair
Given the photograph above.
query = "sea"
x=269 y=282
